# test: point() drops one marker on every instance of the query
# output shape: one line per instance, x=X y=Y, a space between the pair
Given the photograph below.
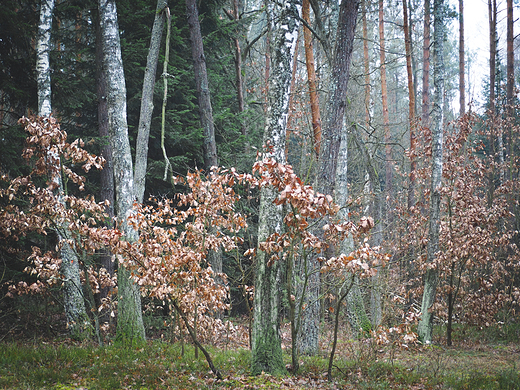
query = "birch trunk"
x=77 y=319
x=266 y=341
x=430 y=280
x=145 y=116
x=130 y=328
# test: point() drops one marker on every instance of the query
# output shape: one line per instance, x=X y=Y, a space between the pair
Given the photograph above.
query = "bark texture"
x=145 y=116
x=411 y=107
x=430 y=279
x=130 y=328
x=425 y=111
x=201 y=81
x=462 y=66
x=78 y=322
x=332 y=133
x=311 y=79
x=266 y=342
x=384 y=99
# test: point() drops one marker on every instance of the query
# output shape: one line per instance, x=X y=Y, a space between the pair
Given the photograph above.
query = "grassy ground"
x=60 y=364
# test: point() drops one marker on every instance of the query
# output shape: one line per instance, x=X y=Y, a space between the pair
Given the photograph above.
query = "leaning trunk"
x=145 y=116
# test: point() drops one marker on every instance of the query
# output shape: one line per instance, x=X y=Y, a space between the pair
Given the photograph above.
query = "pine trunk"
x=130 y=328
x=311 y=77
x=430 y=281
x=462 y=69
x=266 y=341
x=411 y=107
x=384 y=99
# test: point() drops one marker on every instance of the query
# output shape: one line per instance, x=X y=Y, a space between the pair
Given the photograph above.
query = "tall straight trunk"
x=130 y=328
x=145 y=116
x=329 y=155
x=510 y=74
x=311 y=78
x=201 y=81
x=107 y=173
x=430 y=279
x=266 y=339
x=238 y=71
x=462 y=62
x=384 y=98
x=74 y=304
x=366 y=65
x=492 y=8
x=357 y=314
x=425 y=111
x=411 y=107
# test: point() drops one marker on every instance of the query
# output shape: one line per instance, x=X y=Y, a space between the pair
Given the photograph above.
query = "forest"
x=259 y=194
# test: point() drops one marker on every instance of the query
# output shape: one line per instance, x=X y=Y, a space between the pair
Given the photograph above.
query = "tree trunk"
x=74 y=304
x=266 y=343
x=201 y=81
x=386 y=117
x=107 y=173
x=311 y=77
x=462 y=78
x=430 y=281
x=356 y=312
x=145 y=116
x=329 y=155
x=239 y=78
x=425 y=113
x=510 y=78
x=130 y=328
x=411 y=107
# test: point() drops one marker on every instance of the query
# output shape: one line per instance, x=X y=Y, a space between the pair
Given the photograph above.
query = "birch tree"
x=130 y=326
x=75 y=312
x=430 y=278
x=266 y=341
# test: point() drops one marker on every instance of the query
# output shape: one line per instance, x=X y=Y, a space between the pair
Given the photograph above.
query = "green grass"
x=159 y=365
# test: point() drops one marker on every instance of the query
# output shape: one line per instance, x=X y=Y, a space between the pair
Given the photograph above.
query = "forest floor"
x=479 y=359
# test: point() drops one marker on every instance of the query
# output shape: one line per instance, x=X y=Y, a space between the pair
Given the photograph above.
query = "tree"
x=145 y=116
x=266 y=342
x=384 y=99
x=130 y=327
x=77 y=319
x=462 y=67
x=333 y=132
x=411 y=106
x=431 y=275
x=201 y=80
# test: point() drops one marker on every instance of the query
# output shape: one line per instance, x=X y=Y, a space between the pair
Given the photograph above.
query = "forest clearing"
x=259 y=194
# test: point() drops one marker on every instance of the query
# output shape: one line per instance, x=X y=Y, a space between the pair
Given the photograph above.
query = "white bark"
x=266 y=342
x=130 y=321
x=74 y=304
